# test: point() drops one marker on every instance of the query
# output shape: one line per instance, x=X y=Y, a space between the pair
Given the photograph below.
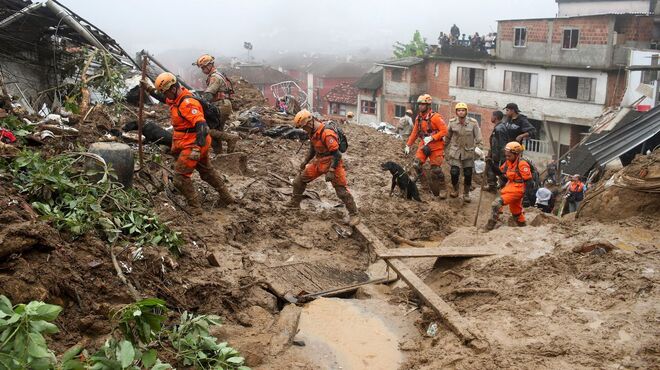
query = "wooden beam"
x=436 y=252
x=467 y=333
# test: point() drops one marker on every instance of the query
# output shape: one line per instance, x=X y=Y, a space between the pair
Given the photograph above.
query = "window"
x=434 y=107
x=368 y=107
x=399 y=111
x=337 y=109
x=436 y=70
x=470 y=77
x=397 y=75
x=520 y=37
x=568 y=87
x=475 y=116
x=571 y=39
x=520 y=82
x=649 y=76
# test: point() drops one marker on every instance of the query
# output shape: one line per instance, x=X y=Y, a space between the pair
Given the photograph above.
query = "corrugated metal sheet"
x=626 y=137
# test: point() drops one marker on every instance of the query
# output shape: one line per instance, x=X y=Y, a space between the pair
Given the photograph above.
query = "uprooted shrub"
x=64 y=192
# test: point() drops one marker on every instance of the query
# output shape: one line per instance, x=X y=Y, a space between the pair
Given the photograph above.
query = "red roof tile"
x=343 y=93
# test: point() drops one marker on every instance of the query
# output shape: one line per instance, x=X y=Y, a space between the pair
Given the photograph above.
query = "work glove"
x=195 y=154
x=329 y=176
x=406 y=149
x=479 y=152
x=428 y=139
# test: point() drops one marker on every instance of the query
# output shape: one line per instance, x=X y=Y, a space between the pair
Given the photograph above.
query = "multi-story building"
x=370 y=97
x=562 y=72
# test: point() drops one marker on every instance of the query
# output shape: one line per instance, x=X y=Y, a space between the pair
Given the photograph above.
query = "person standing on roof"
x=575 y=193
x=323 y=158
x=455 y=33
x=517 y=172
x=405 y=124
x=464 y=146
x=190 y=141
x=218 y=91
x=431 y=129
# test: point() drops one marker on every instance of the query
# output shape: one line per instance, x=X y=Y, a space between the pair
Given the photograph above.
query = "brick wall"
x=616 y=80
x=593 y=30
x=537 y=30
x=438 y=87
x=635 y=28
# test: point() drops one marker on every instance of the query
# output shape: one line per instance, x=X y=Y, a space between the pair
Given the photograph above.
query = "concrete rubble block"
x=284 y=329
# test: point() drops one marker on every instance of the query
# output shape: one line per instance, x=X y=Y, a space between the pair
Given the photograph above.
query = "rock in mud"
x=18 y=238
x=284 y=329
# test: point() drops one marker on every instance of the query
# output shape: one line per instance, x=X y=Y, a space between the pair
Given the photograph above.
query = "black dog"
x=400 y=177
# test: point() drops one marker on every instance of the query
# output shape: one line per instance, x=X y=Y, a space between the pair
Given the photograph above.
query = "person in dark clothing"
x=517 y=126
x=455 y=32
x=498 y=139
x=551 y=171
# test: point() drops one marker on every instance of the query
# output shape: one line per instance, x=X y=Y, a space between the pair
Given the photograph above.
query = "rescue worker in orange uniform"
x=431 y=129
x=218 y=91
x=323 y=158
x=190 y=141
x=517 y=171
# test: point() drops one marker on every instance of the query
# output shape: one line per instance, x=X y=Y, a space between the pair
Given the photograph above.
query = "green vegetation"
x=415 y=48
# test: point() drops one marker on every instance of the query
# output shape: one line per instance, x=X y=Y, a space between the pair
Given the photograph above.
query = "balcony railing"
x=537 y=146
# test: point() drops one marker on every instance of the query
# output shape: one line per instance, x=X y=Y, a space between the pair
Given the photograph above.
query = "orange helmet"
x=204 y=60
x=514 y=147
x=164 y=81
x=302 y=118
x=425 y=99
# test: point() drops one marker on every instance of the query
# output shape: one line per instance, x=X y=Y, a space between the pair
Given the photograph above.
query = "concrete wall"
x=31 y=79
x=572 y=9
x=369 y=118
x=638 y=57
x=539 y=105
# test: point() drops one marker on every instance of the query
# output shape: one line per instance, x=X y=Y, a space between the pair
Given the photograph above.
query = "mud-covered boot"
x=490 y=225
x=454 y=191
x=466 y=193
x=348 y=200
x=187 y=189
x=231 y=142
x=442 y=193
x=297 y=196
x=216 y=182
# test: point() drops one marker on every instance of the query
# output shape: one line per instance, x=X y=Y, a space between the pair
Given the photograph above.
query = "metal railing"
x=537 y=146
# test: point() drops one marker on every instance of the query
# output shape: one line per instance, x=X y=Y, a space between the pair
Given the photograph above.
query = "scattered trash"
x=432 y=330
x=138 y=254
x=591 y=246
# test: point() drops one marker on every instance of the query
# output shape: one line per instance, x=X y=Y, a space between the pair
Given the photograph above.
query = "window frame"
x=401 y=109
x=476 y=116
x=400 y=73
x=649 y=74
x=523 y=39
x=577 y=39
x=459 y=79
x=369 y=105
x=593 y=84
x=533 y=82
x=436 y=70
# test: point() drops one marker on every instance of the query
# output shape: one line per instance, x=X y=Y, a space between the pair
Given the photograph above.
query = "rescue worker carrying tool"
x=430 y=128
x=464 y=146
x=218 y=91
x=323 y=158
x=517 y=171
x=190 y=141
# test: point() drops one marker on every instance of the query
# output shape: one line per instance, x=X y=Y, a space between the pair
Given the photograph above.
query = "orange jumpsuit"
x=324 y=142
x=516 y=172
x=429 y=124
x=186 y=113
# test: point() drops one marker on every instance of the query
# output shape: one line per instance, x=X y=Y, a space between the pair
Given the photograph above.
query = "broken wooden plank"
x=465 y=331
x=436 y=252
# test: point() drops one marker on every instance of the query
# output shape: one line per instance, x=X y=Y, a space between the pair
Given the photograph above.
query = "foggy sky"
x=332 y=26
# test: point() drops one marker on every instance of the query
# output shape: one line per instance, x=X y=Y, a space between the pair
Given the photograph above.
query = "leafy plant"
x=22 y=329
x=113 y=355
x=195 y=346
x=74 y=200
x=19 y=128
x=142 y=321
x=415 y=48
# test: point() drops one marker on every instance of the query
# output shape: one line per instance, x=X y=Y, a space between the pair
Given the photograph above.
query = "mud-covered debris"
x=592 y=246
x=285 y=328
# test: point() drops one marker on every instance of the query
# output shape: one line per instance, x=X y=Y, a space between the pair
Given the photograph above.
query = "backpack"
x=531 y=185
x=211 y=112
x=343 y=141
